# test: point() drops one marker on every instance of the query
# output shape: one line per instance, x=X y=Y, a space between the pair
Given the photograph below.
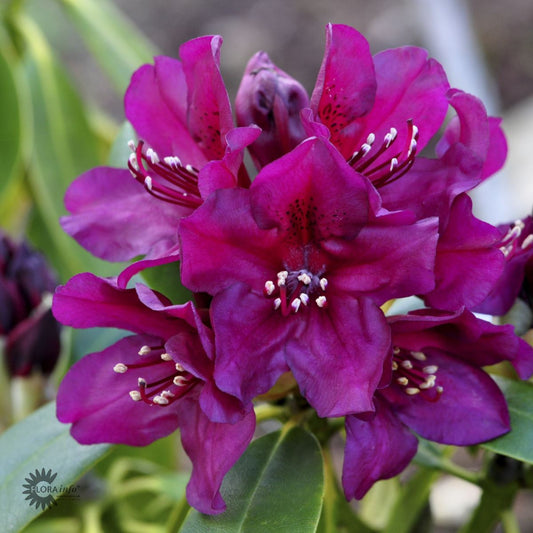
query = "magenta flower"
x=181 y=111
x=438 y=391
x=516 y=244
x=298 y=266
x=30 y=334
x=147 y=385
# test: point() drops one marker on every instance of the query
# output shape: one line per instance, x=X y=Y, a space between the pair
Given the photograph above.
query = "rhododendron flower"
x=147 y=385
x=27 y=327
x=438 y=391
x=298 y=266
x=380 y=112
x=182 y=114
x=516 y=244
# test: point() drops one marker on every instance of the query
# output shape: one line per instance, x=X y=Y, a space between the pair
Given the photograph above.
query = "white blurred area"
x=446 y=27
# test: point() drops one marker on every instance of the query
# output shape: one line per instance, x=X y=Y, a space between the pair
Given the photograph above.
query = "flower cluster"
x=292 y=271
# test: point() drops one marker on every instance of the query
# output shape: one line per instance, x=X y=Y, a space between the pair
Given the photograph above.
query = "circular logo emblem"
x=39 y=490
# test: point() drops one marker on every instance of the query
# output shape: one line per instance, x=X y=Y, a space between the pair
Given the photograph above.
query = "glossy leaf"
x=116 y=44
x=39 y=441
x=518 y=442
x=277 y=485
x=64 y=146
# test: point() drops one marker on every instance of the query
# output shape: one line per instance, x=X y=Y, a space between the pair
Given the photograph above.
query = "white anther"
x=412 y=146
x=189 y=168
x=304 y=298
x=179 y=368
x=394 y=366
x=412 y=391
x=321 y=301
x=277 y=303
x=152 y=154
x=527 y=242
x=135 y=395
x=148 y=182
x=166 y=357
x=179 y=381
x=304 y=278
x=269 y=287
x=160 y=400
x=145 y=350
x=393 y=132
x=120 y=368
x=133 y=161
x=365 y=148
x=141 y=382
x=172 y=161
x=323 y=283
x=431 y=369
x=415 y=130
x=167 y=394
x=429 y=383
x=370 y=139
x=295 y=304
x=355 y=154
x=520 y=224
x=419 y=356
x=282 y=277
x=440 y=389
x=393 y=164
x=131 y=145
x=396 y=350
x=403 y=381
x=406 y=364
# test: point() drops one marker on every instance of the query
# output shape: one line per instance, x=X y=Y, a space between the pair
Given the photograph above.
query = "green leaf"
x=277 y=485
x=516 y=443
x=39 y=441
x=64 y=147
x=11 y=137
x=166 y=280
x=115 y=42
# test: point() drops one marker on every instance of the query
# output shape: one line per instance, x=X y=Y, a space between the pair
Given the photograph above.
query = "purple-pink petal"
x=379 y=448
x=114 y=217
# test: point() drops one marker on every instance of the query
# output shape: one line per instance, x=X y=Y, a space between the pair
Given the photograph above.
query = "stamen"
x=269 y=287
x=527 y=242
x=323 y=283
x=145 y=350
x=432 y=369
x=179 y=367
x=180 y=381
x=403 y=381
x=166 y=357
x=419 y=356
x=304 y=298
x=407 y=364
x=135 y=395
x=295 y=304
x=160 y=400
x=304 y=278
x=148 y=183
x=412 y=391
x=321 y=301
x=277 y=303
x=120 y=368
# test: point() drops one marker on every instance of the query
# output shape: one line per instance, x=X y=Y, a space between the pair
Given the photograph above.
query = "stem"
x=458 y=471
x=267 y=411
x=509 y=522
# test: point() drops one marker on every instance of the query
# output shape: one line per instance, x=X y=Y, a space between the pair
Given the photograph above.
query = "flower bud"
x=31 y=334
x=271 y=99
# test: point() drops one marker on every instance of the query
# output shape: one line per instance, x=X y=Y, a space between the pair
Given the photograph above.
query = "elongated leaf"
x=38 y=442
x=518 y=442
x=116 y=43
x=277 y=485
x=64 y=147
x=11 y=138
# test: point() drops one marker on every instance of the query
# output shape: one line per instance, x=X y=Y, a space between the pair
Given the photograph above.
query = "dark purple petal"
x=471 y=408
x=33 y=345
x=209 y=112
x=388 y=259
x=222 y=244
x=299 y=195
x=338 y=359
x=114 y=217
x=379 y=448
x=213 y=449
x=463 y=335
x=87 y=301
x=250 y=352
x=271 y=99
x=410 y=86
x=96 y=401
x=345 y=86
x=153 y=116
x=468 y=259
